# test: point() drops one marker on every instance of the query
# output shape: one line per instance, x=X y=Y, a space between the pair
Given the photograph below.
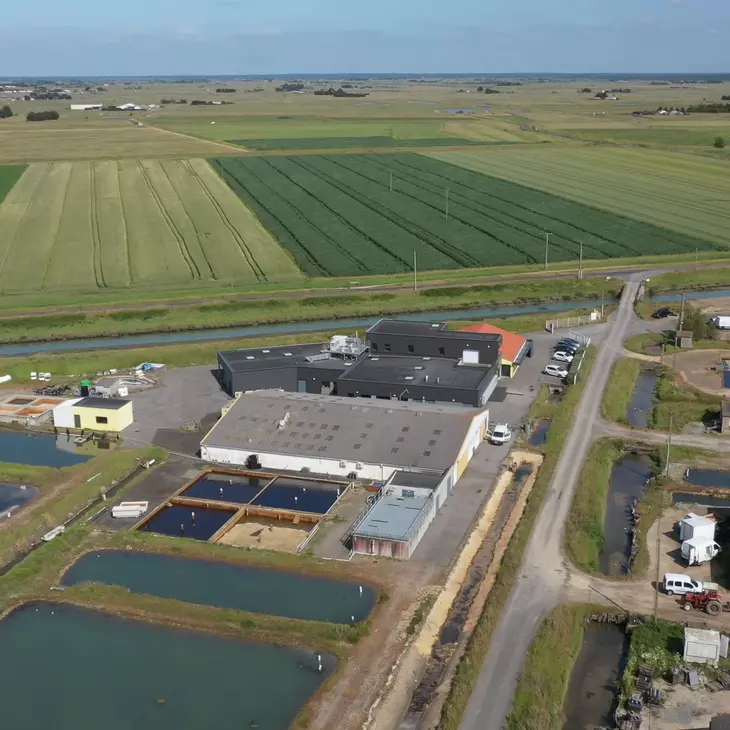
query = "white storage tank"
x=693 y=526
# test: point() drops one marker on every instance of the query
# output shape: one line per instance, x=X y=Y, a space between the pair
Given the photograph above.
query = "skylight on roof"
x=409 y=377
x=287 y=354
x=249 y=357
x=266 y=352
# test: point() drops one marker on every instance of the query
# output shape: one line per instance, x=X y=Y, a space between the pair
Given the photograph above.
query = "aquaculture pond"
x=642 y=399
x=708 y=478
x=220 y=584
x=69 y=668
x=226 y=488
x=701 y=499
x=299 y=495
x=39 y=450
x=14 y=496
x=200 y=523
x=628 y=478
x=591 y=694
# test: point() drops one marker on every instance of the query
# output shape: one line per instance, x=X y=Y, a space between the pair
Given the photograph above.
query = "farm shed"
x=701 y=646
x=515 y=348
x=341 y=436
x=683 y=339
x=102 y=414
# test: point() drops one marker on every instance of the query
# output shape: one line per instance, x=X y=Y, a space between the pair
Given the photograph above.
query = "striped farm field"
x=338 y=216
x=687 y=194
x=89 y=226
x=9 y=175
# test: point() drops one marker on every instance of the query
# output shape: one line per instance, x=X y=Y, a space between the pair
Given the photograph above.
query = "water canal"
x=628 y=478
x=642 y=400
x=540 y=434
x=39 y=450
x=222 y=333
x=592 y=690
x=98 y=671
x=225 y=585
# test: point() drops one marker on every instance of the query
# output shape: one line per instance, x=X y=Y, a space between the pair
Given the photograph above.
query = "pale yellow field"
x=682 y=192
x=97 y=225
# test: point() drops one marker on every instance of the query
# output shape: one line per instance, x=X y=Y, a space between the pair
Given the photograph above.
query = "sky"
x=208 y=37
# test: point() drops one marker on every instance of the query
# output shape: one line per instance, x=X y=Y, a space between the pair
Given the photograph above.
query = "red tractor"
x=709 y=601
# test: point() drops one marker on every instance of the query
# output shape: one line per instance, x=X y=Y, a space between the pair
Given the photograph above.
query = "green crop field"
x=343 y=143
x=9 y=175
x=685 y=193
x=89 y=226
x=337 y=216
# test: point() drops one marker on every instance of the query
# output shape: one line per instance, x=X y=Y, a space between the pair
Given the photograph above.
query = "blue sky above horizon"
x=135 y=37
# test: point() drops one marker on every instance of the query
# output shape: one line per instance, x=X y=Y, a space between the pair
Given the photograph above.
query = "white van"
x=679 y=584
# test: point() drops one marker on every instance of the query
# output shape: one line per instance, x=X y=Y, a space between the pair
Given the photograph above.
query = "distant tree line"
x=47 y=96
x=710 y=108
x=291 y=86
x=340 y=93
x=6 y=112
x=42 y=116
x=225 y=91
x=174 y=101
x=726 y=98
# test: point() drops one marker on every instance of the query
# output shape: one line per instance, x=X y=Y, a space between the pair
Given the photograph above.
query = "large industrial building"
x=415 y=452
x=399 y=360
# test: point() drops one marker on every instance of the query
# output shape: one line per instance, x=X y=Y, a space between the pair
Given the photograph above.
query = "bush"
x=48 y=116
x=719 y=142
x=6 y=112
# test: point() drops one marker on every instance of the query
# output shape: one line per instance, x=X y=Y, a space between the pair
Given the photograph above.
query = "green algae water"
x=213 y=583
x=67 y=668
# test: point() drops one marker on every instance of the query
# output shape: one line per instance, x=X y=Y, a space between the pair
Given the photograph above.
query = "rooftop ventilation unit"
x=285 y=421
x=347 y=345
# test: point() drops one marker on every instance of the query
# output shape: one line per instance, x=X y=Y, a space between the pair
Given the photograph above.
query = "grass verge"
x=620 y=389
x=480 y=641
x=677 y=405
x=545 y=678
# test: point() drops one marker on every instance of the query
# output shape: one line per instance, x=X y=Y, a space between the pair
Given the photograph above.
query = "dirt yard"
x=686 y=709
x=696 y=368
x=267 y=535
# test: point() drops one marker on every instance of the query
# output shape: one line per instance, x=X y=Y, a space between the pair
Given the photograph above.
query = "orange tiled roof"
x=511 y=343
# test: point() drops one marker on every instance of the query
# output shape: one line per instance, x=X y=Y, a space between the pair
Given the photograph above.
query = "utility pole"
x=415 y=273
x=580 y=273
x=391 y=181
x=447 y=204
x=547 y=244
x=681 y=314
x=697 y=256
x=669 y=446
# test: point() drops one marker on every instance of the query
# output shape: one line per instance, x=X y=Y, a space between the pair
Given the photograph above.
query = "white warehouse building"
x=372 y=439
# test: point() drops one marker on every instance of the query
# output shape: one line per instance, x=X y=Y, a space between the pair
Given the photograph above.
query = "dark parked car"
x=663 y=313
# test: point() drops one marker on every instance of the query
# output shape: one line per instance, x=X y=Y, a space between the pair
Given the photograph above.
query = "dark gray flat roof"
x=390 y=433
x=429 y=329
x=429 y=372
x=415 y=479
x=256 y=358
x=111 y=404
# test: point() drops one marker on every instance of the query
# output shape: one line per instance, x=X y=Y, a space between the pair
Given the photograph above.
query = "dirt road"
x=544 y=576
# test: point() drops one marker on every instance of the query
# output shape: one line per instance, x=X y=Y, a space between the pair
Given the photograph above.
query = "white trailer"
x=698 y=550
x=125 y=510
x=693 y=526
x=721 y=322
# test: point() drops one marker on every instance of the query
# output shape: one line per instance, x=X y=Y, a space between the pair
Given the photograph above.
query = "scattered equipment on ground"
x=129 y=509
x=710 y=601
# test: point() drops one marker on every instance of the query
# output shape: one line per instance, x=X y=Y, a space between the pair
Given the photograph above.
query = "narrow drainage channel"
x=109 y=494
x=591 y=695
x=540 y=434
x=451 y=631
x=703 y=500
x=628 y=479
x=642 y=399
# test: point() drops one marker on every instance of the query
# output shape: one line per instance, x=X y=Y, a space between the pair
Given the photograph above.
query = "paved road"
x=544 y=575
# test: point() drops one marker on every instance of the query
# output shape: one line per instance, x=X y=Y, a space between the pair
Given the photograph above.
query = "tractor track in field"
x=257 y=270
x=125 y=232
x=95 y=235
x=179 y=238
x=57 y=227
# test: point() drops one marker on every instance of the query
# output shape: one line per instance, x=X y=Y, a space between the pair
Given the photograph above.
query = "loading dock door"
x=506 y=371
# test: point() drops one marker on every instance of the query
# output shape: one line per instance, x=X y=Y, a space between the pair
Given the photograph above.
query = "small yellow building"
x=102 y=414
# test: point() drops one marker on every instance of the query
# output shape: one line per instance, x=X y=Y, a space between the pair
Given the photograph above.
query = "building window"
x=387 y=347
x=410 y=348
x=102 y=419
x=408 y=493
x=442 y=351
x=374 y=346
